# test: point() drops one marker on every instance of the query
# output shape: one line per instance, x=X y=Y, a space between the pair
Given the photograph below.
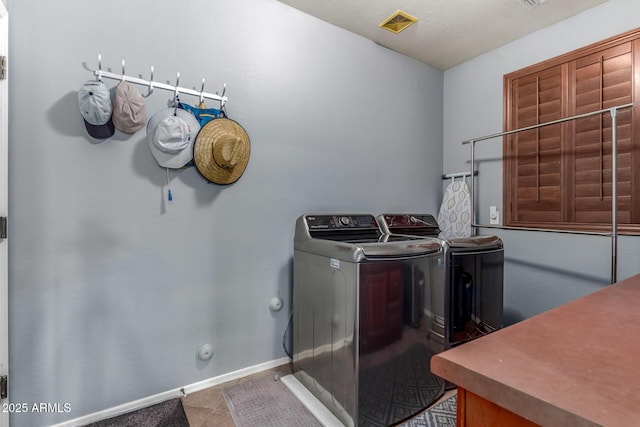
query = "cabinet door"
x=473 y=410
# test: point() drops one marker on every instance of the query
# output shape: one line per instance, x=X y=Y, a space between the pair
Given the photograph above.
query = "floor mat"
x=266 y=402
x=441 y=415
x=165 y=414
x=398 y=389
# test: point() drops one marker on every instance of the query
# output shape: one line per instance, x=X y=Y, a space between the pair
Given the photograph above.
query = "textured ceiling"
x=448 y=32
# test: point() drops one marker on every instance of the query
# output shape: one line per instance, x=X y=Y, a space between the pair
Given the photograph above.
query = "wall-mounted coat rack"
x=176 y=89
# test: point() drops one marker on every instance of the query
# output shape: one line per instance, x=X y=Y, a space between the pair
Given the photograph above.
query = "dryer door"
x=475 y=294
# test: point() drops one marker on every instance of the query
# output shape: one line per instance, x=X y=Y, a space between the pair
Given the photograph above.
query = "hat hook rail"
x=99 y=73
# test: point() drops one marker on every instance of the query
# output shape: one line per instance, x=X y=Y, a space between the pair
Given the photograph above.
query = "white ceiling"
x=448 y=32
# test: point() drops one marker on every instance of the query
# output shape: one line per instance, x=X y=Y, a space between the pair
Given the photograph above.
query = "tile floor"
x=207 y=408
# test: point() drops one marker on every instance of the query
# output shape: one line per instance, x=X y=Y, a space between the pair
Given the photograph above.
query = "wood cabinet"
x=475 y=411
x=574 y=365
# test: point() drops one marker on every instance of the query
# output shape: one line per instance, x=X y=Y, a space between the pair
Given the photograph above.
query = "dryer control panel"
x=414 y=224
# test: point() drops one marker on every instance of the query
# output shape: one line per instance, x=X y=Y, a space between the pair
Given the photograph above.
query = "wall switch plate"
x=494 y=215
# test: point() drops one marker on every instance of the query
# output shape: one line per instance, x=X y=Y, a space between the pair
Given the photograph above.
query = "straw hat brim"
x=218 y=131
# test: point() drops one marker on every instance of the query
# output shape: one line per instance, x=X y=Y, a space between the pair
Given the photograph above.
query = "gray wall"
x=112 y=290
x=542 y=270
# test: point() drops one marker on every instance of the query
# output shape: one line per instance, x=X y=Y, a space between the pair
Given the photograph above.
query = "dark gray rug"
x=266 y=402
x=165 y=414
x=398 y=389
x=441 y=415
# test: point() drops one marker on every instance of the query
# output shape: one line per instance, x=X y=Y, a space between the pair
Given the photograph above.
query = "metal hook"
x=175 y=89
x=202 y=92
x=150 y=83
x=123 y=73
x=175 y=95
x=222 y=102
x=99 y=73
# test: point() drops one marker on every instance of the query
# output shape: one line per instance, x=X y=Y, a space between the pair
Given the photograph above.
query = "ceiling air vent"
x=530 y=4
x=397 y=22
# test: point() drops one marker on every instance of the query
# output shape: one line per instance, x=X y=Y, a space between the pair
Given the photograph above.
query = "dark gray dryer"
x=469 y=302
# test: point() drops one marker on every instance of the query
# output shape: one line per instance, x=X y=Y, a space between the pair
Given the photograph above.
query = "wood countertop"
x=574 y=365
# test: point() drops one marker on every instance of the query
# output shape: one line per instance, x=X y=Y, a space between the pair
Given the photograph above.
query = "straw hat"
x=221 y=151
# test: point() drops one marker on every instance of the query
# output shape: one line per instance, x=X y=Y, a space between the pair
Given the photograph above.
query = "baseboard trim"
x=171 y=394
x=211 y=382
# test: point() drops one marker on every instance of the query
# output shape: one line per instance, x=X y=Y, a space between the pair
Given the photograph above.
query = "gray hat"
x=94 y=101
x=129 y=113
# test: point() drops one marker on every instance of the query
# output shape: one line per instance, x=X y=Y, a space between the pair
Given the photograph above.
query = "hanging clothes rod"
x=99 y=73
x=552 y=122
x=458 y=175
x=614 y=179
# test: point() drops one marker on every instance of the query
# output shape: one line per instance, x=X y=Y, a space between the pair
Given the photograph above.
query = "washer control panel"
x=334 y=222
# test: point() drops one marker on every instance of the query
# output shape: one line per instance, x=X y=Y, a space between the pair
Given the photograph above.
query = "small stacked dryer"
x=469 y=302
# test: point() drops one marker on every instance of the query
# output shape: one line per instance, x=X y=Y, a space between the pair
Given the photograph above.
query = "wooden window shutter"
x=559 y=176
x=602 y=80
x=535 y=154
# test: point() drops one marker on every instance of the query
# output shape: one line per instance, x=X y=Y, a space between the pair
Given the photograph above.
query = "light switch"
x=494 y=215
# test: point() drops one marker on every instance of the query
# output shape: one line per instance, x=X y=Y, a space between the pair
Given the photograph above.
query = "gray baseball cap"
x=94 y=101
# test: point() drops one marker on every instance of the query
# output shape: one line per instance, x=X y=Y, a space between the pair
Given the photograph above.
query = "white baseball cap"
x=94 y=101
x=171 y=133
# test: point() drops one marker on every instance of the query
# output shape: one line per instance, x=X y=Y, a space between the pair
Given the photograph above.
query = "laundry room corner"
x=114 y=287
